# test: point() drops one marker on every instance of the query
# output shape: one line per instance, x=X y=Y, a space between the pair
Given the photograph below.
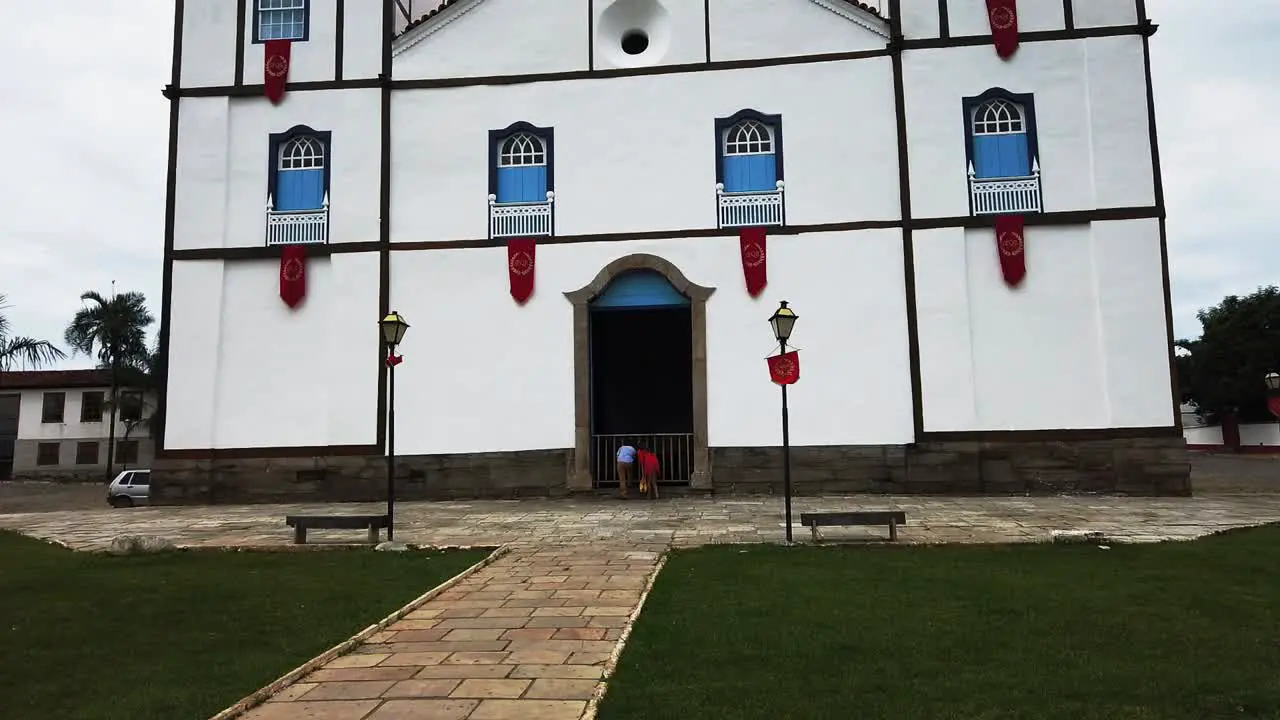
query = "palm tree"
x=24 y=351
x=115 y=331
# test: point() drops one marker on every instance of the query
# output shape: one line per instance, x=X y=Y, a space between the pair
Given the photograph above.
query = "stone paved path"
x=667 y=522
x=525 y=638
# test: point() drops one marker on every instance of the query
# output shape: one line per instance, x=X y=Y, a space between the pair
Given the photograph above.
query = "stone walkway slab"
x=524 y=638
x=679 y=522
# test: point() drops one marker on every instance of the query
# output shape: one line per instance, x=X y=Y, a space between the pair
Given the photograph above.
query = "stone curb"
x=593 y=705
x=261 y=695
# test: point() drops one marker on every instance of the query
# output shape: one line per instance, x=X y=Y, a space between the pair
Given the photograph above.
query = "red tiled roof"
x=446 y=3
x=53 y=379
x=430 y=14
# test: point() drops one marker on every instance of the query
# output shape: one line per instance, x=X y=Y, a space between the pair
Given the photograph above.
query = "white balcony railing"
x=525 y=219
x=298 y=227
x=743 y=209
x=1001 y=196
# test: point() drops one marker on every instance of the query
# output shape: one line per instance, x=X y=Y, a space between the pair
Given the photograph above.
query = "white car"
x=131 y=487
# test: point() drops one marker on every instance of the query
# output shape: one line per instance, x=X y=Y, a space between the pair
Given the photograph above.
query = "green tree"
x=23 y=351
x=115 y=331
x=1225 y=366
x=136 y=410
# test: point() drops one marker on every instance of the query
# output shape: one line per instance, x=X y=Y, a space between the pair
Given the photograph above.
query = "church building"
x=588 y=211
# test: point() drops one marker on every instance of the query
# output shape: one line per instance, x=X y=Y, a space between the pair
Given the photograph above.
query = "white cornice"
x=423 y=31
x=856 y=15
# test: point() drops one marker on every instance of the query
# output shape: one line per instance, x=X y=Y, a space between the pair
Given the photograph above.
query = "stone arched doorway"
x=580 y=474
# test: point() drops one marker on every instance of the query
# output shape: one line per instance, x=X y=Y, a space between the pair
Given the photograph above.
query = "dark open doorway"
x=642 y=376
x=9 y=405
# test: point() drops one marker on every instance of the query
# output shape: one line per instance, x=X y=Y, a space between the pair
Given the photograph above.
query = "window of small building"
x=127 y=452
x=130 y=406
x=87 y=453
x=54 y=405
x=47 y=453
x=91 y=407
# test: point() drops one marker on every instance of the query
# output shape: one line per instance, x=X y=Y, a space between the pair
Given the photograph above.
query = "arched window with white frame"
x=522 y=161
x=749 y=156
x=300 y=173
x=1001 y=143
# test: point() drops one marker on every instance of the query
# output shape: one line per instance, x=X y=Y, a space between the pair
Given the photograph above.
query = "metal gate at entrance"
x=674 y=451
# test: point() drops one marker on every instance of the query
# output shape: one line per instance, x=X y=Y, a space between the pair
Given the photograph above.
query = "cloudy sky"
x=83 y=137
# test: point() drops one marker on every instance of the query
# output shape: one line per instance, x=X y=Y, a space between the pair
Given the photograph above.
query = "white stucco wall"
x=223 y=147
x=1080 y=344
x=517 y=37
x=309 y=61
x=208 y=43
x=248 y=371
x=638 y=153
x=969 y=17
x=504 y=379
x=362 y=39
x=1091 y=117
x=1104 y=13
x=920 y=20
x=742 y=29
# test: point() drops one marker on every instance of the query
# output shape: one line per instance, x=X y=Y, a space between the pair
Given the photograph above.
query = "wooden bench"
x=892 y=518
x=302 y=523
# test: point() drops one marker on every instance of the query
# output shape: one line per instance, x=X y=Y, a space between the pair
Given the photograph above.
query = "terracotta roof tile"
x=444 y=4
x=864 y=6
x=53 y=379
x=430 y=14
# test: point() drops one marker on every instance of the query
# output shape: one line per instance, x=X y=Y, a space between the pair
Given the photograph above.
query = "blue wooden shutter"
x=737 y=173
x=526 y=183
x=300 y=189
x=1001 y=156
x=750 y=173
x=763 y=172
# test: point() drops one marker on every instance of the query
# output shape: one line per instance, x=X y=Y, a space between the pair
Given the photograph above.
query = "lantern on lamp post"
x=393 y=328
x=783 y=322
x=1272 y=381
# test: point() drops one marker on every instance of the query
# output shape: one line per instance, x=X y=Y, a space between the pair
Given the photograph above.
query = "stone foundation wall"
x=1145 y=466
x=1148 y=466
x=532 y=473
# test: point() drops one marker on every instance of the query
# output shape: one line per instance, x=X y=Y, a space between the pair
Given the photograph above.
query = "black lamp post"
x=393 y=328
x=1272 y=381
x=783 y=320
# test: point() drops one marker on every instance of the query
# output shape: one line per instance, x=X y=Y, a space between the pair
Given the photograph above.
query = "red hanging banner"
x=1273 y=404
x=393 y=359
x=1003 y=15
x=521 y=259
x=784 y=369
x=1011 y=244
x=275 y=68
x=754 y=259
x=293 y=274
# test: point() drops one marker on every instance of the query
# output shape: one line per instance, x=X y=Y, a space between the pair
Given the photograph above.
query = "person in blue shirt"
x=626 y=466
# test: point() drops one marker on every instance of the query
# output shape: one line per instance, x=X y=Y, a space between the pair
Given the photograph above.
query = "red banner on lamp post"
x=784 y=369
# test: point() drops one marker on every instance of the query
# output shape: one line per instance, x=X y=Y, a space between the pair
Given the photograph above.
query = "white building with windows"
x=55 y=425
x=566 y=200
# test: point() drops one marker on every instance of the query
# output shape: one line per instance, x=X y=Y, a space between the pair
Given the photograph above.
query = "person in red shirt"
x=649 y=468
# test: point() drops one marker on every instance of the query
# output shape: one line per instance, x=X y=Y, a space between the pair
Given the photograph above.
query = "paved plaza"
x=526 y=638
x=678 y=522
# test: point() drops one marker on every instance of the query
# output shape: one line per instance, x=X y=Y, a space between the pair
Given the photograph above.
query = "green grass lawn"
x=180 y=635
x=1180 y=630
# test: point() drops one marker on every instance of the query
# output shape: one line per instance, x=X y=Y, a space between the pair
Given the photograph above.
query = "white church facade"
x=588 y=210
